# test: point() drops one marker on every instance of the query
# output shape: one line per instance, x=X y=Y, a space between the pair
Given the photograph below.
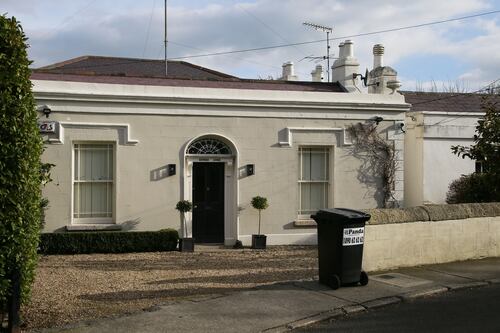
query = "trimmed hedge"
x=20 y=150
x=108 y=242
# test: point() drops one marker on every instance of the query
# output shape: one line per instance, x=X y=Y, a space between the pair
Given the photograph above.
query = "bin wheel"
x=363 y=278
x=334 y=282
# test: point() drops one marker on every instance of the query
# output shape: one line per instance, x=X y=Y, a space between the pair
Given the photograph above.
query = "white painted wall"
x=151 y=125
x=389 y=246
x=430 y=165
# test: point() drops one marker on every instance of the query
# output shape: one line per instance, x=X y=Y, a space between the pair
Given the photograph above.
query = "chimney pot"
x=348 y=49
x=341 y=50
x=378 y=56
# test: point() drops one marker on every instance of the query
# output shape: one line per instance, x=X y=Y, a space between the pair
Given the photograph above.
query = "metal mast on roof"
x=327 y=30
x=166 y=41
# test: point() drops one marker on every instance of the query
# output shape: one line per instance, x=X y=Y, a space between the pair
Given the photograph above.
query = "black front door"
x=208 y=202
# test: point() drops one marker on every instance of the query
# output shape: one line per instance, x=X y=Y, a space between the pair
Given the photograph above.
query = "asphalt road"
x=470 y=310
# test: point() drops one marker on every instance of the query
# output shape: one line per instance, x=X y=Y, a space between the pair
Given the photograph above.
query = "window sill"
x=304 y=224
x=93 y=227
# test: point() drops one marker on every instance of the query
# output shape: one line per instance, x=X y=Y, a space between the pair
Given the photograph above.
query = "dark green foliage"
x=259 y=203
x=108 y=242
x=476 y=187
x=486 y=147
x=20 y=150
x=484 y=187
x=183 y=206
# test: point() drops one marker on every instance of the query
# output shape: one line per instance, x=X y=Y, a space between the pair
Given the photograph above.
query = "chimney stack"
x=288 y=72
x=382 y=79
x=317 y=74
x=345 y=66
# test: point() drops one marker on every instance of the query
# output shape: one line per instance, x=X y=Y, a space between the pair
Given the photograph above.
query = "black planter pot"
x=186 y=245
x=259 y=241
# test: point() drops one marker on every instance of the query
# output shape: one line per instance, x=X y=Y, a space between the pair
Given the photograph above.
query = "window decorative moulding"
x=286 y=139
x=124 y=128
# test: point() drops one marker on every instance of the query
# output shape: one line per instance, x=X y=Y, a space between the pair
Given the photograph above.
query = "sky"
x=462 y=55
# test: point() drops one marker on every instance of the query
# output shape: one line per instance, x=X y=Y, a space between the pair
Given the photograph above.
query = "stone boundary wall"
x=431 y=234
x=433 y=213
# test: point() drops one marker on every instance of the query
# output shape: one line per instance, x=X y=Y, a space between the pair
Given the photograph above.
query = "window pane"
x=77 y=163
x=313 y=197
x=110 y=163
x=110 y=200
x=306 y=164
x=85 y=164
x=85 y=199
x=319 y=165
x=318 y=196
x=76 y=201
x=93 y=200
x=99 y=200
x=305 y=194
x=95 y=163
x=99 y=164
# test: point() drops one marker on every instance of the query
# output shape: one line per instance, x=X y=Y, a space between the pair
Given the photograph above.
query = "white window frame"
x=93 y=220
x=329 y=181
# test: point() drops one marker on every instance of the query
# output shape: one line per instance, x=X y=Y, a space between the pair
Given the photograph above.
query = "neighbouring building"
x=437 y=122
x=128 y=143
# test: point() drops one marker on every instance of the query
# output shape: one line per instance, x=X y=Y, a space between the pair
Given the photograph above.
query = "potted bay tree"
x=186 y=244
x=259 y=240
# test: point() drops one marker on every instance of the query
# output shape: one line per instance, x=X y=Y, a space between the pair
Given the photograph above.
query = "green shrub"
x=476 y=187
x=259 y=203
x=184 y=206
x=108 y=242
x=20 y=150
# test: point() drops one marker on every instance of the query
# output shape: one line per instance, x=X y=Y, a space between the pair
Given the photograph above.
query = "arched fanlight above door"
x=208 y=146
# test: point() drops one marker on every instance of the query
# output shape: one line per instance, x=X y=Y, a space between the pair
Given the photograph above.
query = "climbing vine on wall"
x=379 y=160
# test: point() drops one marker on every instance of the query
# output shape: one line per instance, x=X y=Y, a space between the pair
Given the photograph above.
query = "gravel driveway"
x=70 y=288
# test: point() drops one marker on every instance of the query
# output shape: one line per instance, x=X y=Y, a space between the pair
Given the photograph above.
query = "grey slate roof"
x=97 y=65
x=446 y=102
x=151 y=72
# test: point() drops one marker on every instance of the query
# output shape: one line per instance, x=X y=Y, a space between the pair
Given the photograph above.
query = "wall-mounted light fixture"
x=401 y=126
x=46 y=110
x=377 y=119
x=171 y=169
x=250 y=169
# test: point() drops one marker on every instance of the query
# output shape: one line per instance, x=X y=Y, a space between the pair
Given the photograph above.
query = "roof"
x=446 y=102
x=97 y=65
x=224 y=84
x=111 y=70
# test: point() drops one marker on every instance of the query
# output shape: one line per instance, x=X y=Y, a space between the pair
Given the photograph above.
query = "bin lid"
x=340 y=215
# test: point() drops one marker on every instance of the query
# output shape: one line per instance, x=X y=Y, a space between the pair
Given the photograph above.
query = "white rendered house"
x=128 y=144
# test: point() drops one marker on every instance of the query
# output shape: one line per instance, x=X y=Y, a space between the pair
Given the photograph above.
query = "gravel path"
x=71 y=288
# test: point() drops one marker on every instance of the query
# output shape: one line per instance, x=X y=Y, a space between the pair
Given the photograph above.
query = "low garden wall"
x=431 y=234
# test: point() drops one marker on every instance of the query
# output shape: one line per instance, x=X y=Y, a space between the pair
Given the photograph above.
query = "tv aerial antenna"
x=328 y=30
x=166 y=40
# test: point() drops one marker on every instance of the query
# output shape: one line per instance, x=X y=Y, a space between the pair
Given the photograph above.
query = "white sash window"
x=313 y=180
x=93 y=183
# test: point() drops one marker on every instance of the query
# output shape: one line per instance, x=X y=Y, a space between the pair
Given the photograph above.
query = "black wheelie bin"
x=341 y=234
